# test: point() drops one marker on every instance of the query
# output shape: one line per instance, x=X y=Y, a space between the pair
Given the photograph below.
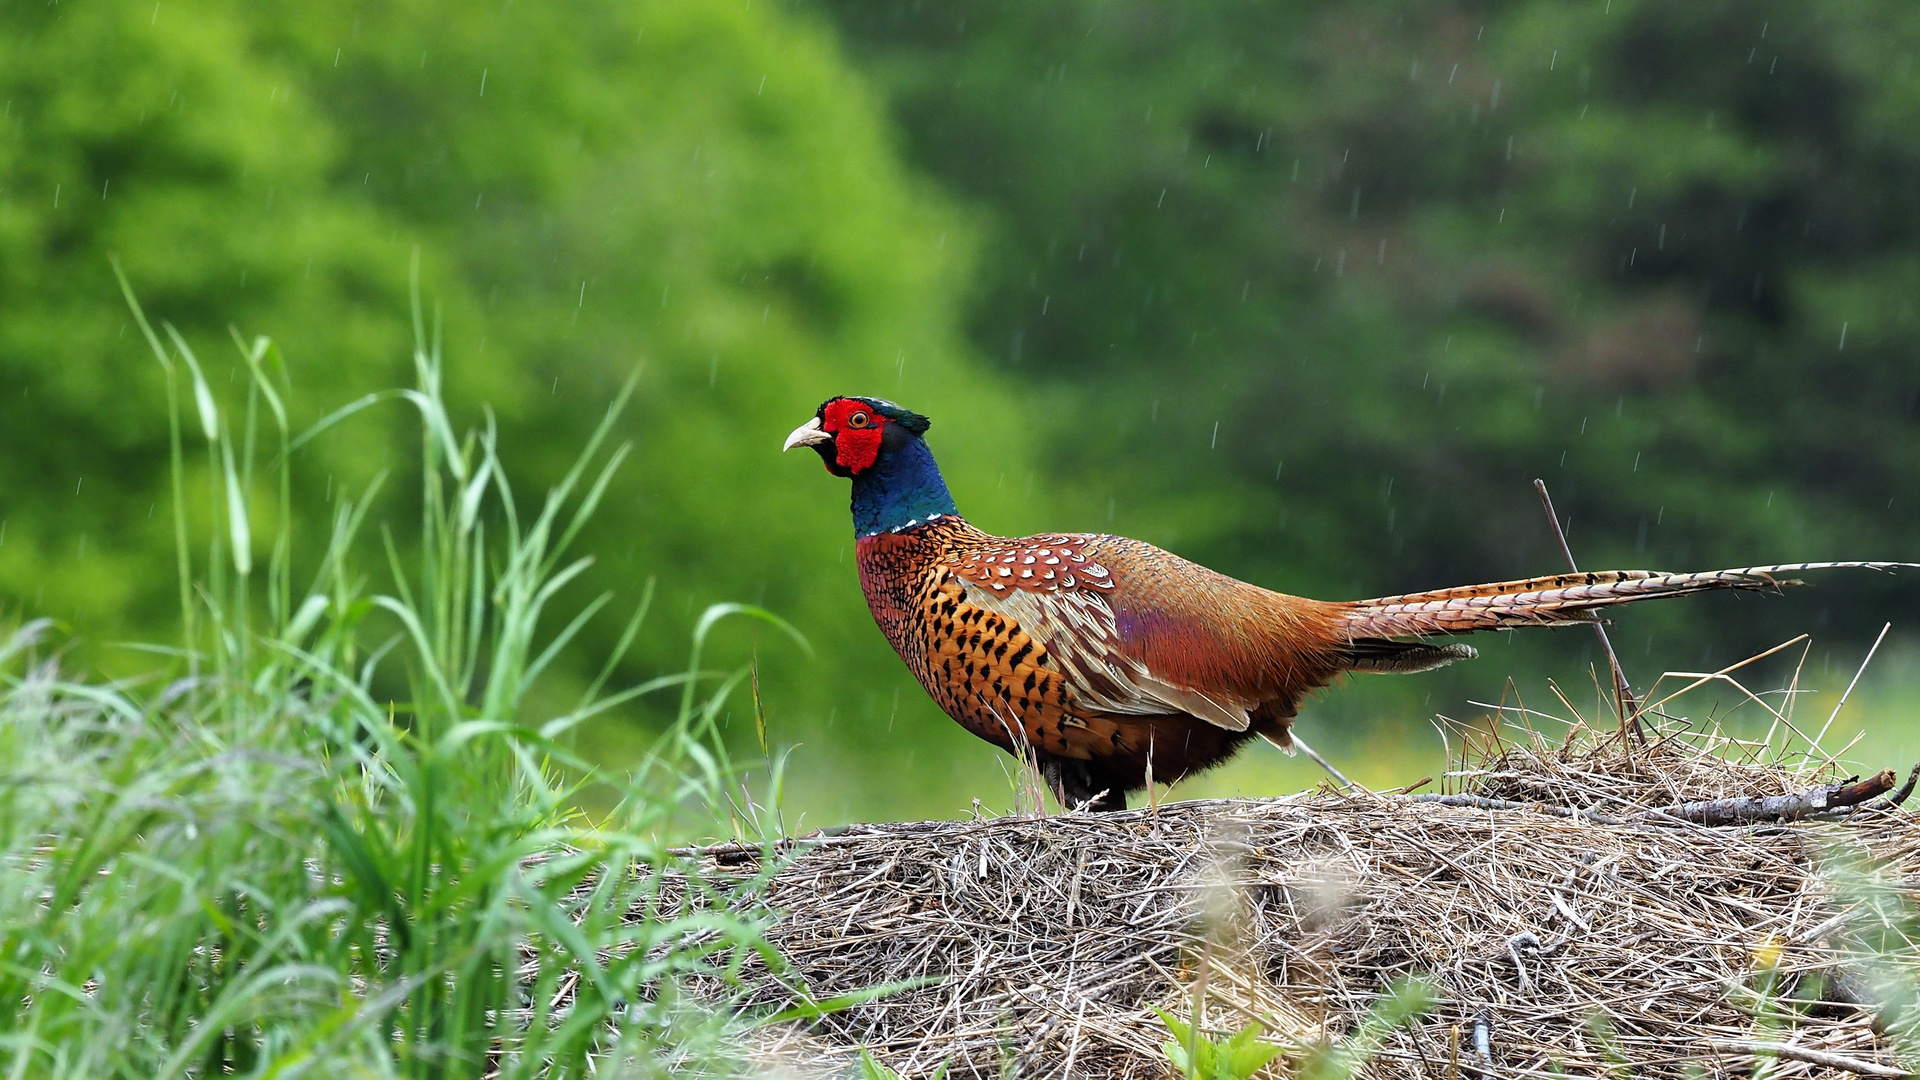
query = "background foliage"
x=1307 y=291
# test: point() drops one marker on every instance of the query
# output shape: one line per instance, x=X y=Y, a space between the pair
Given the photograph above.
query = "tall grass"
x=330 y=837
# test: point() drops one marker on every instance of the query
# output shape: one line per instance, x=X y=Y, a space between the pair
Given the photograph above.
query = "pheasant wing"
x=1060 y=590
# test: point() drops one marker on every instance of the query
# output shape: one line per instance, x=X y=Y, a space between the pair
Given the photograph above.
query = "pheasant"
x=1110 y=662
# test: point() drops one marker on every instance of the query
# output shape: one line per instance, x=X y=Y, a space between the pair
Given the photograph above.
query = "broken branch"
x=1742 y=810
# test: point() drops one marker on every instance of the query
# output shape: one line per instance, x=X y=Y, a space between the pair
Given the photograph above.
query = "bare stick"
x=1741 y=810
x=1812 y=1057
x=1751 y=808
x=1835 y=715
x=1623 y=693
x=1323 y=762
x=1153 y=797
x=1483 y=1041
x=1900 y=796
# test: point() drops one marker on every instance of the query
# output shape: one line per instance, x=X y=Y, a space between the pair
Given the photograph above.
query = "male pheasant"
x=1109 y=660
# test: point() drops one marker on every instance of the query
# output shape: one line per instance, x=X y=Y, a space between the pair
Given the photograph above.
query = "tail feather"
x=1561 y=598
x=1380 y=656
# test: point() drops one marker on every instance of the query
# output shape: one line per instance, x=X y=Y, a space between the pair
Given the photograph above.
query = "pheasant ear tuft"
x=901 y=415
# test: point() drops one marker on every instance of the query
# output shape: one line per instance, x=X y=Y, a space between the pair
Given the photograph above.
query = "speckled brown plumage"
x=1037 y=645
x=1109 y=661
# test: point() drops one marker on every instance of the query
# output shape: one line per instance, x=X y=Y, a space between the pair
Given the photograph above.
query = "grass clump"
x=1199 y=1055
x=332 y=837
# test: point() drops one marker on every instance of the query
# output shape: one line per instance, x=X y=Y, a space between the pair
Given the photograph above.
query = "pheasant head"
x=879 y=445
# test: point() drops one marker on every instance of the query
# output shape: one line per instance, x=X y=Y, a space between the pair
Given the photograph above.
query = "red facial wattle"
x=856 y=430
x=857 y=450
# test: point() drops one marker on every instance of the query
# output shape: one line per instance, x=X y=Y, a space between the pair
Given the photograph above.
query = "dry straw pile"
x=1592 y=906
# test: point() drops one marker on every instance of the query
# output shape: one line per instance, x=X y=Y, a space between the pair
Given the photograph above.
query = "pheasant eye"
x=858 y=420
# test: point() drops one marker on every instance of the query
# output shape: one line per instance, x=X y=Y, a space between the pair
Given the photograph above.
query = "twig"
x=1741 y=810
x=1322 y=762
x=1483 y=1042
x=1425 y=780
x=1848 y=692
x=1900 y=796
x=1073 y=1048
x=1811 y=1057
x=1525 y=937
x=1702 y=680
x=1746 y=809
x=1482 y=802
x=1896 y=797
x=1623 y=693
x=1153 y=795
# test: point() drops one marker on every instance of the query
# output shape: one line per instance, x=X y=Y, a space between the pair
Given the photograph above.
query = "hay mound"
x=1577 y=934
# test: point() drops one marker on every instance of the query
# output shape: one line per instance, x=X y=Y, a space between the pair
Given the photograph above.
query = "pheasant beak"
x=807 y=434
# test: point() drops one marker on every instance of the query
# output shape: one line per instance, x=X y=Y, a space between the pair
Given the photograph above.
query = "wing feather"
x=1072 y=617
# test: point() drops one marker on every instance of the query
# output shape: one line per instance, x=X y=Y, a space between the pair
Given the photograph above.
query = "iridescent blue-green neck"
x=899 y=491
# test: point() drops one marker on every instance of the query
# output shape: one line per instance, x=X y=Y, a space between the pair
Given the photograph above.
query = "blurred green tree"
x=701 y=193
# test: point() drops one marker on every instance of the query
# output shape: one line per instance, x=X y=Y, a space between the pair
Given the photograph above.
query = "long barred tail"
x=1562 y=598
